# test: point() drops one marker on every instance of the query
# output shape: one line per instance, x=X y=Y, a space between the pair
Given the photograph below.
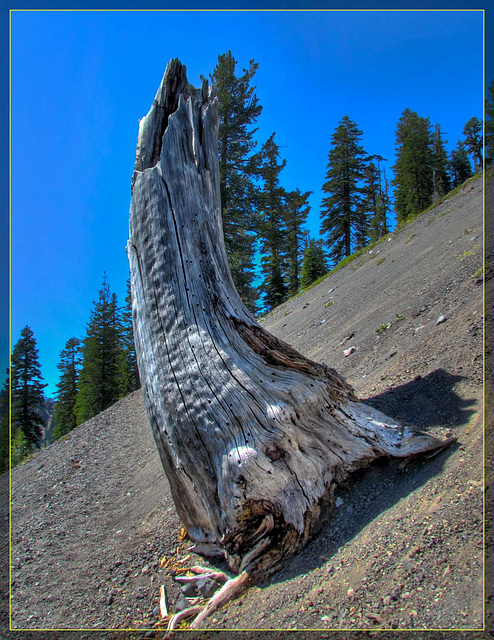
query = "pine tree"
x=128 y=344
x=67 y=388
x=474 y=142
x=314 y=264
x=4 y=425
x=459 y=165
x=296 y=210
x=376 y=198
x=27 y=390
x=239 y=109
x=489 y=124
x=102 y=379
x=440 y=176
x=342 y=211
x=273 y=225
x=414 y=165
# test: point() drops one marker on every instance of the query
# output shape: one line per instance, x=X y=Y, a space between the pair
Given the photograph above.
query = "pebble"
x=338 y=502
x=349 y=351
x=387 y=601
x=441 y=319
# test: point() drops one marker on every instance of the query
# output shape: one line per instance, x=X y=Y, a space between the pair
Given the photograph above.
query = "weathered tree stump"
x=253 y=436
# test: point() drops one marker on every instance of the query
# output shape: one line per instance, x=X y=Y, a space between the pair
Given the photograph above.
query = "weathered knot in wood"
x=253 y=436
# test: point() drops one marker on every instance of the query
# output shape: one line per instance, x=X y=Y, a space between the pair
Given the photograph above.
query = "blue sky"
x=80 y=81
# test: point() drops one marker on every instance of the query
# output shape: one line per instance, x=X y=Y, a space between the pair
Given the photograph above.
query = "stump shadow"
x=423 y=403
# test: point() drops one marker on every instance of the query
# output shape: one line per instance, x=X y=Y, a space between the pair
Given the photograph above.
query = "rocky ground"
x=95 y=533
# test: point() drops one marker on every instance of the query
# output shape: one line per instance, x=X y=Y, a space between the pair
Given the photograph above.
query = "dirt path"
x=92 y=516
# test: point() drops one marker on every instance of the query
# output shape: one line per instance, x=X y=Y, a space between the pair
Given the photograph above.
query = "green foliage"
x=380 y=261
x=19 y=447
x=440 y=163
x=383 y=327
x=489 y=124
x=103 y=378
x=273 y=225
x=239 y=109
x=295 y=211
x=343 y=217
x=67 y=388
x=459 y=165
x=4 y=426
x=474 y=141
x=26 y=392
x=413 y=169
x=130 y=371
x=314 y=264
x=376 y=201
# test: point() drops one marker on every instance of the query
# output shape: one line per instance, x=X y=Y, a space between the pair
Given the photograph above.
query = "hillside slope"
x=92 y=516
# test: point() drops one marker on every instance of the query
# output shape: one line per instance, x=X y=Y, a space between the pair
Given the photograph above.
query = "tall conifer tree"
x=67 y=388
x=27 y=391
x=102 y=379
x=239 y=109
x=459 y=165
x=296 y=210
x=314 y=263
x=342 y=215
x=489 y=124
x=128 y=343
x=4 y=425
x=474 y=142
x=376 y=198
x=273 y=224
x=413 y=169
x=440 y=176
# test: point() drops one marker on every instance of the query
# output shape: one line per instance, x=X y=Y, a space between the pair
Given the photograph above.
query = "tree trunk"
x=253 y=436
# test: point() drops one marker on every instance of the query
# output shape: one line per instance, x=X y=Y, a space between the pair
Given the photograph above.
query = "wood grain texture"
x=253 y=436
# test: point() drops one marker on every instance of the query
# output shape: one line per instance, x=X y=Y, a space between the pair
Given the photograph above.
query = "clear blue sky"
x=81 y=81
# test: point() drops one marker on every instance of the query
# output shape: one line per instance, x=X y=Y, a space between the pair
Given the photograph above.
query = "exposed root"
x=181 y=615
x=230 y=590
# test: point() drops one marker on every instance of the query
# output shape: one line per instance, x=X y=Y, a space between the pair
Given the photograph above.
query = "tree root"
x=181 y=615
x=230 y=590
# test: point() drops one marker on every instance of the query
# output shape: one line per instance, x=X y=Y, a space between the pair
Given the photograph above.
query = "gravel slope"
x=92 y=516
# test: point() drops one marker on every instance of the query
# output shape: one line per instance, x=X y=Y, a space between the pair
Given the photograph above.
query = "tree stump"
x=253 y=436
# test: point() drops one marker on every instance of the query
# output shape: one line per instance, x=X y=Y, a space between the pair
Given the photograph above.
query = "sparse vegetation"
x=380 y=261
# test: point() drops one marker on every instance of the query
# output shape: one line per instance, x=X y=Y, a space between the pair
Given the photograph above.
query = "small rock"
x=207 y=587
x=406 y=596
x=387 y=601
x=325 y=618
x=189 y=589
x=338 y=502
x=349 y=351
x=349 y=509
x=181 y=603
x=330 y=291
x=441 y=319
x=350 y=593
x=448 y=434
x=145 y=569
x=346 y=338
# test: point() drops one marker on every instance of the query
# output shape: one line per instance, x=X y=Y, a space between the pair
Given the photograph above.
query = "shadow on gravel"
x=425 y=402
x=368 y=493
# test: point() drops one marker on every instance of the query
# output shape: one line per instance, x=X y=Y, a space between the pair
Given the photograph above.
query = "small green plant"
x=380 y=261
x=287 y=313
x=383 y=327
x=410 y=238
x=478 y=273
x=398 y=317
x=329 y=304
